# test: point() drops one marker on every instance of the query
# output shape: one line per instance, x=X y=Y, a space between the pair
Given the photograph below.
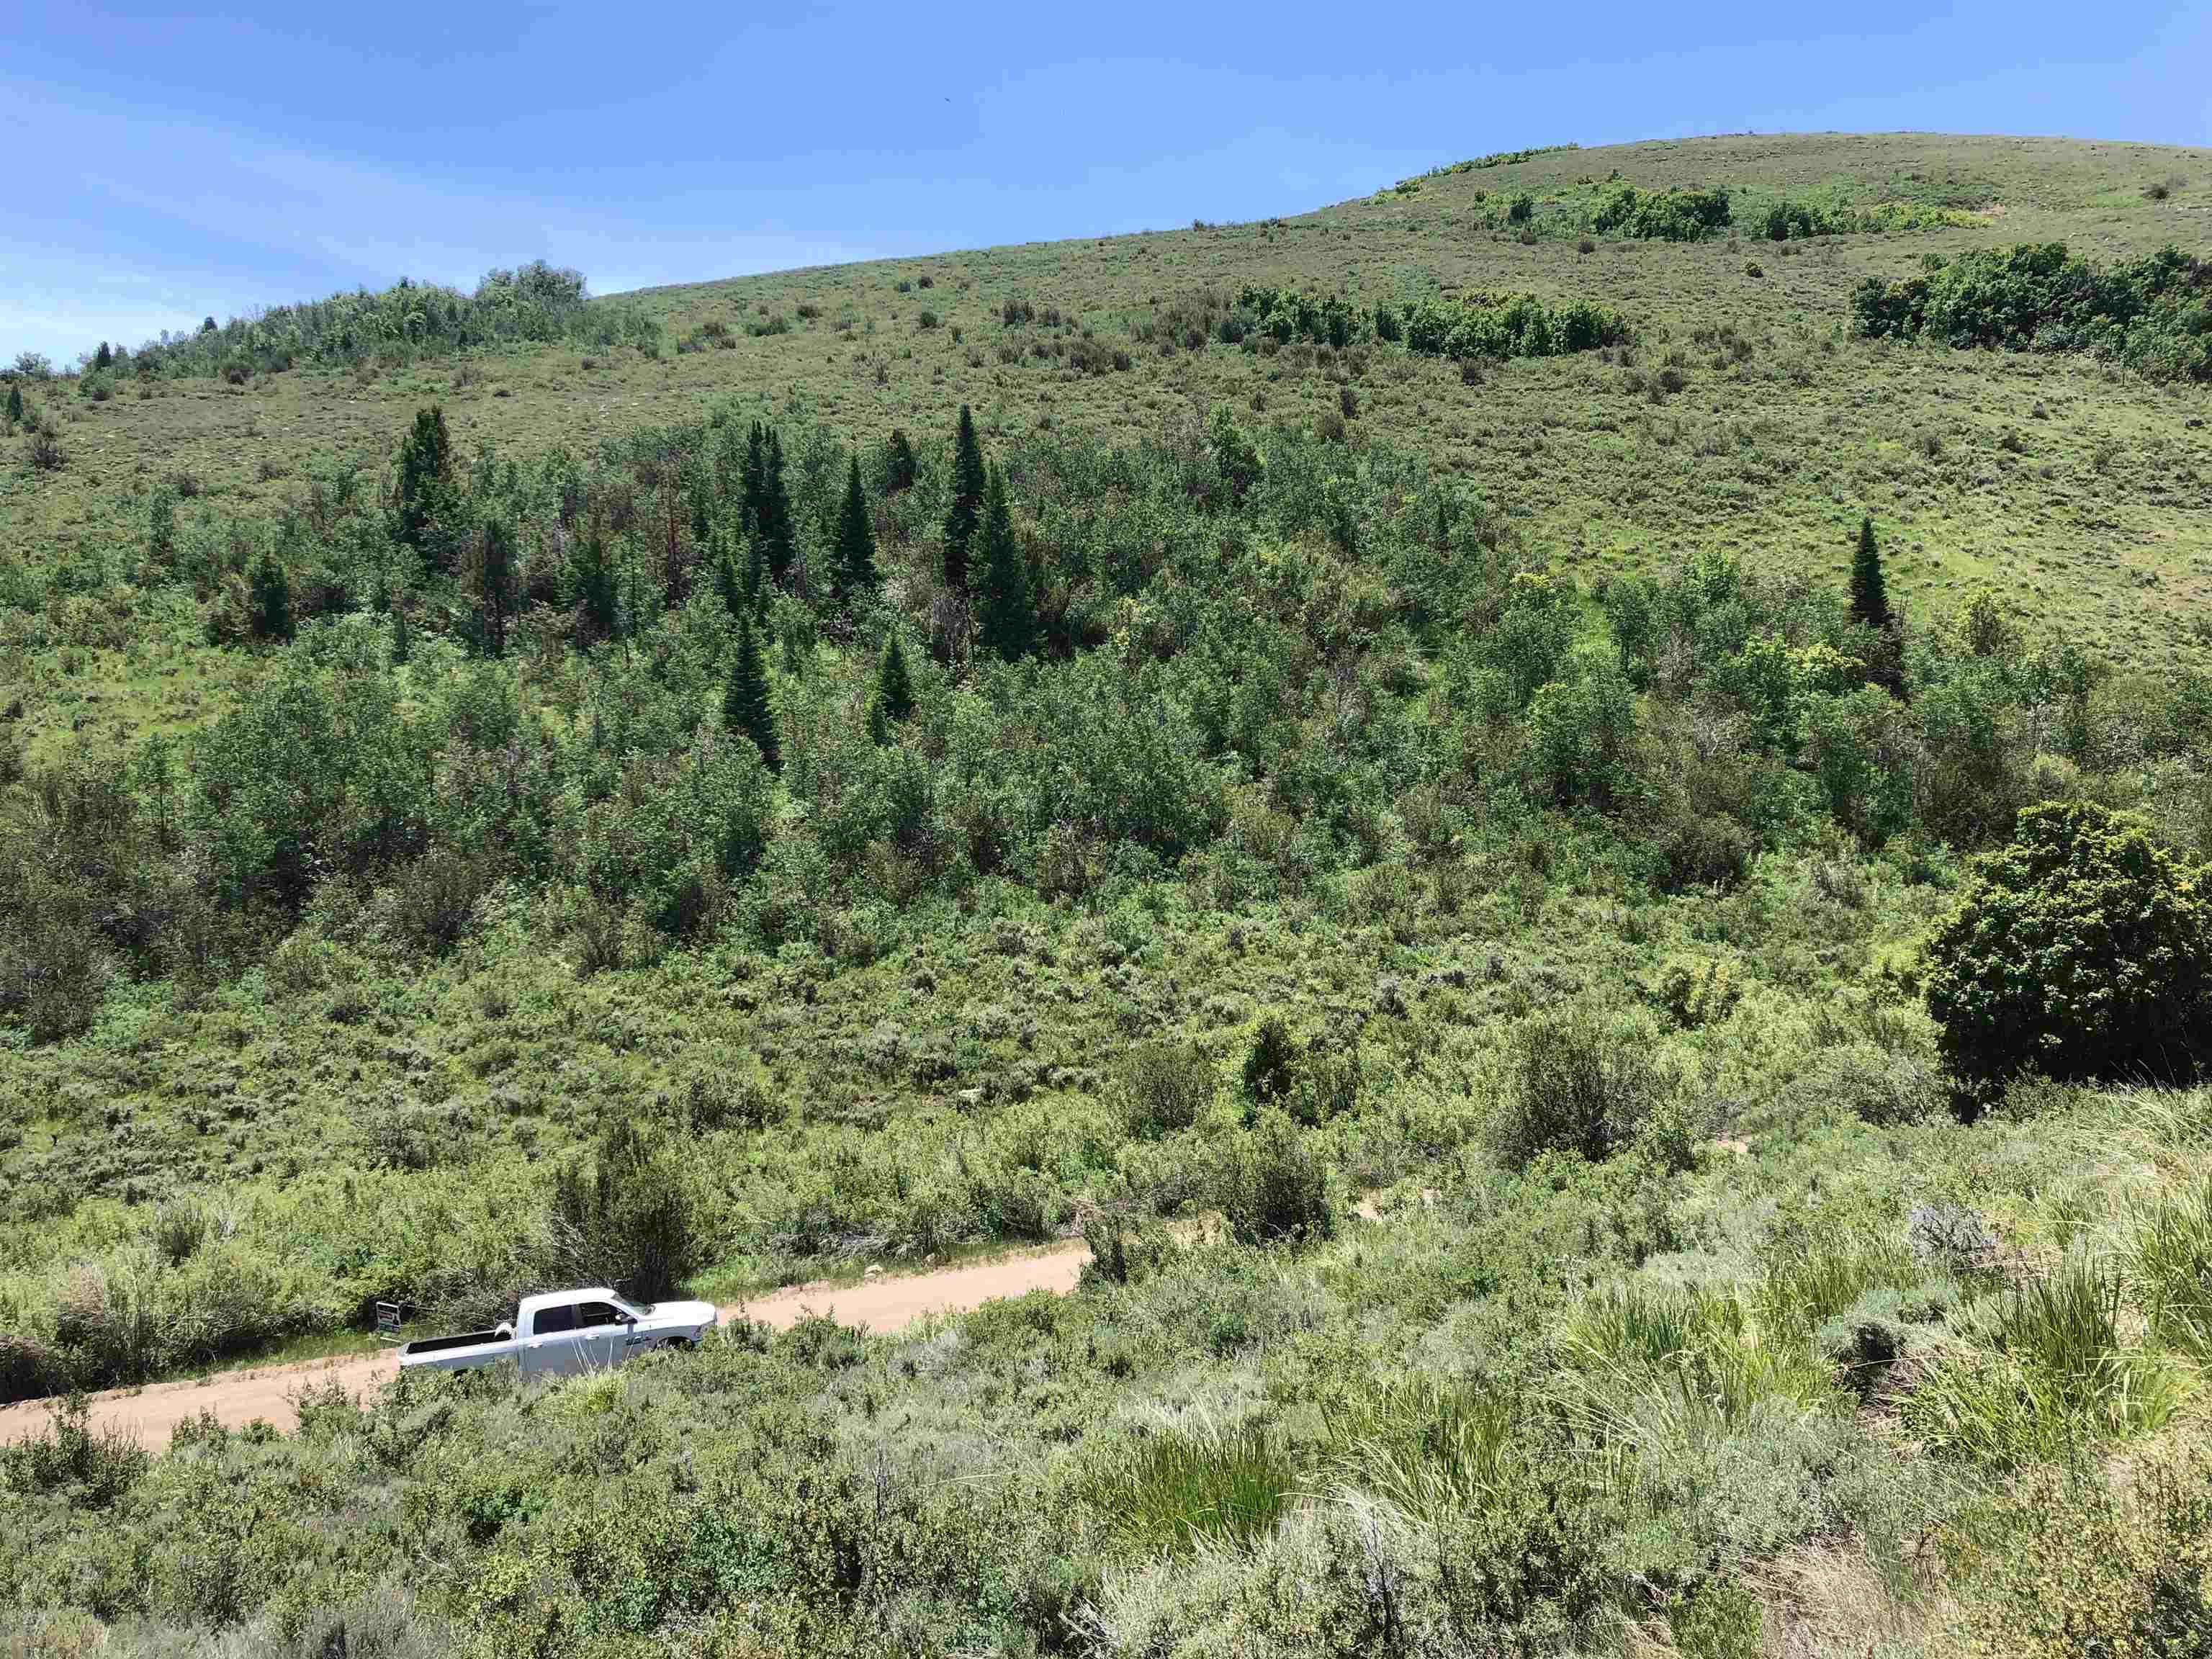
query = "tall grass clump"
x=2048 y=1376
x=1428 y=1447
x=2171 y=1265
x=1174 y=1490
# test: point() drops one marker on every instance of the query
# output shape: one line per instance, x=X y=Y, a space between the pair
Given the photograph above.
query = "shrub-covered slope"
x=1586 y=881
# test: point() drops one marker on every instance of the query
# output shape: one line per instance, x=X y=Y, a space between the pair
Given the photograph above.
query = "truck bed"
x=440 y=1344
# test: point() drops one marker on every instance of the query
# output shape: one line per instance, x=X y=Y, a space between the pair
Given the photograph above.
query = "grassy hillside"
x=2081 y=491
x=1628 y=1095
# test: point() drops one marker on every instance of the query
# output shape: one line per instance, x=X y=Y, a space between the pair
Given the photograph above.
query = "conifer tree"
x=403 y=638
x=899 y=464
x=967 y=484
x=752 y=478
x=592 y=582
x=491 y=577
x=755 y=579
x=746 y=709
x=270 y=594
x=1005 y=619
x=774 y=512
x=103 y=358
x=1869 y=591
x=424 y=491
x=852 y=577
x=894 y=695
x=729 y=578
x=15 y=404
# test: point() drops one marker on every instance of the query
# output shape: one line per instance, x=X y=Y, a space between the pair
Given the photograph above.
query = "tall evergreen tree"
x=1869 y=591
x=15 y=404
x=1005 y=618
x=777 y=545
x=729 y=575
x=402 y=637
x=492 y=579
x=752 y=478
x=755 y=579
x=893 y=699
x=746 y=709
x=591 y=583
x=960 y=519
x=899 y=466
x=103 y=358
x=852 y=578
x=424 y=494
x=270 y=592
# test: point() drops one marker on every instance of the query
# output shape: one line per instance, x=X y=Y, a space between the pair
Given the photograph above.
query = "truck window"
x=589 y=1314
x=552 y=1321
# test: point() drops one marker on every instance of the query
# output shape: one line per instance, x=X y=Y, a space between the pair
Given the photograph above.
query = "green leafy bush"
x=1275 y=1186
x=626 y=1219
x=1672 y=216
x=2154 y=314
x=2066 y=1566
x=2081 y=948
x=1167 y=1086
x=1575 y=1081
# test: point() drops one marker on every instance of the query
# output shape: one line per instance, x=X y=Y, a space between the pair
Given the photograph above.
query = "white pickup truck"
x=563 y=1332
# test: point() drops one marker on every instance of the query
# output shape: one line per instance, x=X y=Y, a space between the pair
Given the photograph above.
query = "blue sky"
x=164 y=166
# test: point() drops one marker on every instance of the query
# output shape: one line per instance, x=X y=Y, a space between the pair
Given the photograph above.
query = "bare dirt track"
x=237 y=1398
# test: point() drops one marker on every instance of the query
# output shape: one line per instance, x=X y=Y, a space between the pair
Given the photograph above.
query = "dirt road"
x=889 y=1302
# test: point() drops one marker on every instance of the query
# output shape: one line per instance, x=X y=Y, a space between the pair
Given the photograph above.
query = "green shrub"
x=2068 y=1567
x=1575 y=1081
x=2081 y=948
x=1877 y=1085
x=1275 y=1186
x=1271 y=1063
x=91 y=1467
x=1696 y=990
x=627 y=1219
x=1722 y=1620
x=2150 y=314
x=1166 y=1086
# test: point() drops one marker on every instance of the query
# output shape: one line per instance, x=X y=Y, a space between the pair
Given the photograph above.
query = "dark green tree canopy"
x=899 y=466
x=270 y=593
x=852 y=578
x=775 y=530
x=424 y=490
x=593 y=585
x=893 y=699
x=1869 y=592
x=967 y=484
x=2083 y=950
x=746 y=708
x=492 y=577
x=1006 y=616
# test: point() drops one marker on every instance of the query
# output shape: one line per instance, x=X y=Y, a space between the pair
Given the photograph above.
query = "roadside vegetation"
x=1640 y=1103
